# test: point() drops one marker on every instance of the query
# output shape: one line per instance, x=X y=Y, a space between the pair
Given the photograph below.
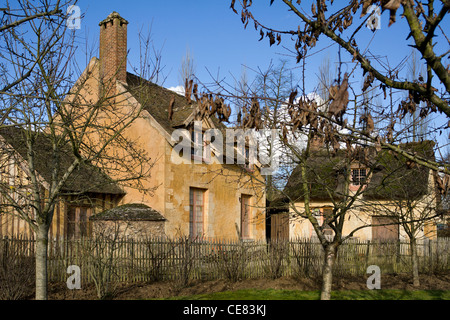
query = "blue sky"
x=210 y=30
x=220 y=45
x=215 y=36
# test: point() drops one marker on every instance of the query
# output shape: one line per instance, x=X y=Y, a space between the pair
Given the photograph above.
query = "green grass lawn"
x=272 y=294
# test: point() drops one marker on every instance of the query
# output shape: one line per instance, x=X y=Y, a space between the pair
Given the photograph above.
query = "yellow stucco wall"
x=361 y=215
x=166 y=187
x=223 y=185
x=301 y=227
x=223 y=191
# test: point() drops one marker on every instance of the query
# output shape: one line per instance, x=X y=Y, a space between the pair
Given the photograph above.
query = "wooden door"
x=386 y=232
x=279 y=224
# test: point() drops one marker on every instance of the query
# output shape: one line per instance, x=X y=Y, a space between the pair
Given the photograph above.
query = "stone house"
x=87 y=191
x=201 y=197
x=387 y=185
x=205 y=198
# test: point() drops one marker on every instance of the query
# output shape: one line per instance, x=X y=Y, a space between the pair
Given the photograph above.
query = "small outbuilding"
x=133 y=220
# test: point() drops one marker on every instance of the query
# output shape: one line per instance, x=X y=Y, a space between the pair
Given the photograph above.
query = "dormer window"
x=197 y=144
x=359 y=176
x=248 y=166
x=200 y=148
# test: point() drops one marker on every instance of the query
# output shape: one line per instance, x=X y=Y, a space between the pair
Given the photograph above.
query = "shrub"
x=17 y=270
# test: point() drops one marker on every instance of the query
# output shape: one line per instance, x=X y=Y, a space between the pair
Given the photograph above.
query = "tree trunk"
x=41 y=262
x=327 y=272
x=415 y=262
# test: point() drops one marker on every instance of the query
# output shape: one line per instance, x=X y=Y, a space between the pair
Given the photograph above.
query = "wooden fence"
x=184 y=259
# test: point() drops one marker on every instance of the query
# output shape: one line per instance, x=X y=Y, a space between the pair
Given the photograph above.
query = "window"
x=197 y=212
x=359 y=176
x=77 y=222
x=248 y=165
x=200 y=150
x=245 y=216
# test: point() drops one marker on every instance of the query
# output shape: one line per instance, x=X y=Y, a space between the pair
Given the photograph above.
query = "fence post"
x=398 y=253
x=367 y=253
x=430 y=250
x=5 y=252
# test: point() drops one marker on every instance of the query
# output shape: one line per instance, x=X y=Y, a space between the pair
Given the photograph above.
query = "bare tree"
x=60 y=124
x=335 y=139
x=336 y=124
x=417 y=124
x=274 y=86
x=413 y=202
x=102 y=253
x=13 y=18
x=343 y=24
x=323 y=173
x=187 y=68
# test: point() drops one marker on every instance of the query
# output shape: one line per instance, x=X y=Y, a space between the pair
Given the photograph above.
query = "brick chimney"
x=113 y=50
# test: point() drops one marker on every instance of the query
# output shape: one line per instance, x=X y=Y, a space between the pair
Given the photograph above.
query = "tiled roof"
x=156 y=100
x=129 y=212
x=86 y=178
x=392 y=178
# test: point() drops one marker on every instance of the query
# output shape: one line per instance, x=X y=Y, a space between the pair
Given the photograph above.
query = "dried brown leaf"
x=366 y=5
x=339 y=98
x=262 y=35
x=392 y=4
x=368 y=81
x=232 y=6
x=292 y=97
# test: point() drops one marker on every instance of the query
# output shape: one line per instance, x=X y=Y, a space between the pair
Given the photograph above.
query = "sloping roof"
x=393 y=176
x=86 y=178
x=325 y=175
x=129 y=212
x=156 y=99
